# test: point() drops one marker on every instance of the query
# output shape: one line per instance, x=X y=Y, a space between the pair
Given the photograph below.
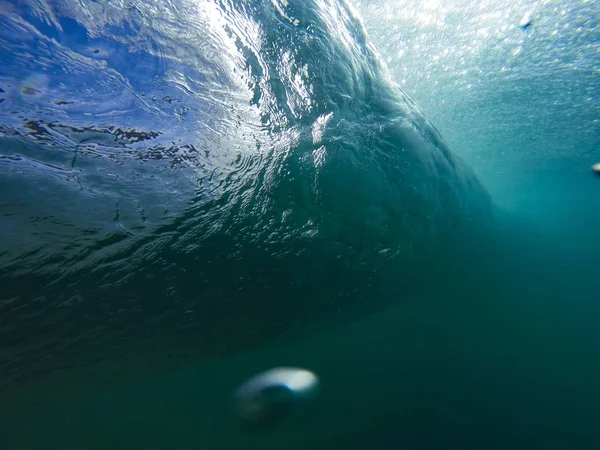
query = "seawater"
x=196 y=192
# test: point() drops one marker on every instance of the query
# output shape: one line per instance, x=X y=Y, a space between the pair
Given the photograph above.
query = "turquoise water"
x=194 y=192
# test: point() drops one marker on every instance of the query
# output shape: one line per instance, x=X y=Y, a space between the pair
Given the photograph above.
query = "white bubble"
x=270 y=395
x=526 y=21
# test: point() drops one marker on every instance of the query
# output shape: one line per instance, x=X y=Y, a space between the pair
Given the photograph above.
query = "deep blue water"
x=193 y=192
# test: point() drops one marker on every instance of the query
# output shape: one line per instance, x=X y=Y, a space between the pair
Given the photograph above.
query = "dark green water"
x=508 y=362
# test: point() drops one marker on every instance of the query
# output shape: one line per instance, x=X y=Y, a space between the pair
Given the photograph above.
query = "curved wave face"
x=192 y=178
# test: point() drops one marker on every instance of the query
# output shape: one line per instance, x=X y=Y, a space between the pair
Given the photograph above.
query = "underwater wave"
x=185 y=179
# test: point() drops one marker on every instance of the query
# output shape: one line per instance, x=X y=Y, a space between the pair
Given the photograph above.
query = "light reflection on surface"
x=474 y=66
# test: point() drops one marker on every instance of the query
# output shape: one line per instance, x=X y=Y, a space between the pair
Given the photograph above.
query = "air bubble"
x=271 y=395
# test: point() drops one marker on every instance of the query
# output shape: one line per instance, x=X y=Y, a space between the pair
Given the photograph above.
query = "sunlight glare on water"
x=473 y=67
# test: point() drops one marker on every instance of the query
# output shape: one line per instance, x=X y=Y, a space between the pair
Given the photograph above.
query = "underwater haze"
x=397 y=196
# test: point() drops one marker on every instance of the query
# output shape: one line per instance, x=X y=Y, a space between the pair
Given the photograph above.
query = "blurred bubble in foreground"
x=270 y=395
